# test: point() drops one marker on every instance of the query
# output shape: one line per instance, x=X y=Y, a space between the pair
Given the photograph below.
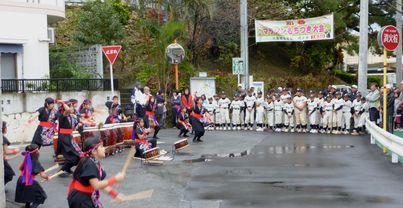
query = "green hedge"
x=345 y=76
x=352 y=79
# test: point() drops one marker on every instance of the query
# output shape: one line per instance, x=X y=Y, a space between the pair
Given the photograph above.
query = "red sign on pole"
x=111 y=52
x=389 y=37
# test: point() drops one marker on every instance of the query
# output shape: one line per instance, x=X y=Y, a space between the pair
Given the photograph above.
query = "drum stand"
x=176 y=151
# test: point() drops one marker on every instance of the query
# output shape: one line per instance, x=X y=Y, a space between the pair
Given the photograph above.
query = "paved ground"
x=280 y=170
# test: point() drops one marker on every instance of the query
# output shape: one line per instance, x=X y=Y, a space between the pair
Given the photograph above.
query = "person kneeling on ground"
x=141 y=139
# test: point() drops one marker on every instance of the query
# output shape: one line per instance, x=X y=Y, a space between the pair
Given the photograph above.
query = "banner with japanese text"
x=318 y=28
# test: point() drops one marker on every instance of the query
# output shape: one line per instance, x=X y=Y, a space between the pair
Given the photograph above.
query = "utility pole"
x=363 y=54
x=244 y=41
x=399 y=72
x=2 y=188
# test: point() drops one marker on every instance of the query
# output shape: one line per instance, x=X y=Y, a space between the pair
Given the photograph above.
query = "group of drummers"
x=60 y=121
x=59 y=124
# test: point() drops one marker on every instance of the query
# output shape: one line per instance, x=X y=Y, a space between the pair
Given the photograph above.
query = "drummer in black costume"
x=115 y=111
x=68 y=122
x=47 y=123
x=141 y=139
x=89 y=178
x=8 y=171
x=183 y=123
x=150 y=119
x=87 y=114
x=196 y=118
x=28 y=190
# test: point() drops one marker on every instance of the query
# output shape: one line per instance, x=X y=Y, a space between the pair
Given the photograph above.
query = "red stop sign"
x=111 y=52
x=389 y=37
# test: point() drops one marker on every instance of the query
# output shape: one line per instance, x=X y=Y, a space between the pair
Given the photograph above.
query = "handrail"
x=56 y=85
x=393 y=143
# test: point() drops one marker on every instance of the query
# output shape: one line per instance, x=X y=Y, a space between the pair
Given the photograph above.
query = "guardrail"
x=56 y=85
x=390 y=142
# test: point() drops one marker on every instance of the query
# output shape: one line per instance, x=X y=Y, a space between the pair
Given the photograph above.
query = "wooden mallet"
x=138 y=196
x=53 y=176
x=129 y=159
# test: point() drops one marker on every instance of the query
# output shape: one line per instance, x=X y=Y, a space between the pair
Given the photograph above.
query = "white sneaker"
x=345 y=132
x=304 y=130
x=245 y=128
x=314 y=131
x=335 y=132
x=251 y=128
x=299 y=130
x=285 y=130
x=239 y=128
x=328 y=132
x=234 y=128
x=292 y=130
x=225 y=128
x=259 y=129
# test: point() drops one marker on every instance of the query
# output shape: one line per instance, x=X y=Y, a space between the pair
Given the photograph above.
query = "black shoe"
x=199 y=140
x=180 y=135
x=194 y=139
x=185 y=135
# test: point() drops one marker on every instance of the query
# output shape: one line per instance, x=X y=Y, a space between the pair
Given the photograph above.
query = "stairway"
x=125 y=101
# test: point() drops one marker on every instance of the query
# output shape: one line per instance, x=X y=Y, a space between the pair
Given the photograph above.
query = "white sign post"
x=111 y=53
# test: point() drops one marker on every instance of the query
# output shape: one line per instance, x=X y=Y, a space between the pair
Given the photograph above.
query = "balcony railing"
x=56 y=85
x=40 y=2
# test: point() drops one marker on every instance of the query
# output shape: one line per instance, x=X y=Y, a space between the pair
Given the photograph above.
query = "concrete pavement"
x=280 y=170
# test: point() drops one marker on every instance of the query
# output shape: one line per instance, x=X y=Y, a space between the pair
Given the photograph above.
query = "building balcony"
x=54 y=9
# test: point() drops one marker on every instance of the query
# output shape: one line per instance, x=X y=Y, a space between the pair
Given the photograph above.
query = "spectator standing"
x=161 y=108
x=176 y=107
x=373 y=98
x=398 y=119
x=187 y=101
x=354 y=92
x=390 y=103
x=401 y=91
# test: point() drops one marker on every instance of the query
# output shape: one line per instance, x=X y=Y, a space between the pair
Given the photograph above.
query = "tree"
x=320 y=55
x=99 y=23
x=196 y=11
x=144 y=56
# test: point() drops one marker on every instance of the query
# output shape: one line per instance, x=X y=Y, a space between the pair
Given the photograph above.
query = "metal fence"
x=56 y=85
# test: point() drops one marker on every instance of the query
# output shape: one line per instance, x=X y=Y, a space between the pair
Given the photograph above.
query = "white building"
x=25 y=36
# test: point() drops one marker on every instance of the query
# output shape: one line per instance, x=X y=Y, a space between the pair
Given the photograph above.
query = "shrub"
x=346 y=77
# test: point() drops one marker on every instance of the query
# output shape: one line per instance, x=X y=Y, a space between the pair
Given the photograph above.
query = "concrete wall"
x=27 y=29
x=18 y=107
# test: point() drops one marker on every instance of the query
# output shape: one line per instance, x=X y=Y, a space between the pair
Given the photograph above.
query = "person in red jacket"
x=187 y=101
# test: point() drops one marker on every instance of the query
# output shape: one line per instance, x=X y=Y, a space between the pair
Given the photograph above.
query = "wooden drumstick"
x=129 y=159
x=53 y=176
x=138 y=196
x=51 y=168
